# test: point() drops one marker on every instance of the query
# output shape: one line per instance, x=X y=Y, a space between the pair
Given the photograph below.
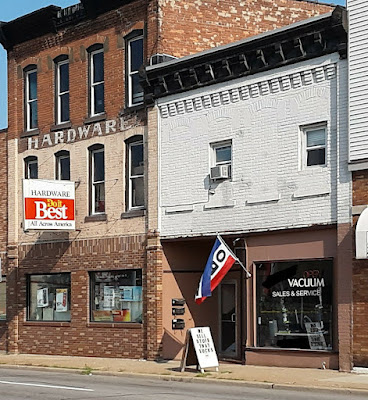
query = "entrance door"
x=228 y=320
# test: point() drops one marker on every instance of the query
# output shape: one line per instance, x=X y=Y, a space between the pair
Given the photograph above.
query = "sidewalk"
x=267 y=377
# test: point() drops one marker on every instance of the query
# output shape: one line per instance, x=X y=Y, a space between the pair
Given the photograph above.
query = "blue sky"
x=14 y=9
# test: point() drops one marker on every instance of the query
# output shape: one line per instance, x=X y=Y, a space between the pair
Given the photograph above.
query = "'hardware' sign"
x=48 y=205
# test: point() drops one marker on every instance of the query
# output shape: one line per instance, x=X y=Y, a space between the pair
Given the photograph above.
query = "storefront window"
x=3 y=299
x=116 y=296
x=294 y=305
x=49 y=297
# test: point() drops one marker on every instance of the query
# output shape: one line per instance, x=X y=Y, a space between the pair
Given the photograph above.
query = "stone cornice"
x=283 y=83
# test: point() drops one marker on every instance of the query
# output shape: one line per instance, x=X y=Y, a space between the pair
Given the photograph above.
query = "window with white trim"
x=314 y=145
x=134 y=60
x=31 y=167
x=97 y=82
x=221 y=156
x=62 y=161
x=136 y=174
x=30 y=94
x=97 y=179
x=62 y=89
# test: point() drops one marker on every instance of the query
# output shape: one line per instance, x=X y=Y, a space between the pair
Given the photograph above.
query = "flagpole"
x=235 y=257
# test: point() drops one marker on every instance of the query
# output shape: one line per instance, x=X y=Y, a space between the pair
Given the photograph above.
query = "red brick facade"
x=176 y=29
x=3 y=221
x=360 y=281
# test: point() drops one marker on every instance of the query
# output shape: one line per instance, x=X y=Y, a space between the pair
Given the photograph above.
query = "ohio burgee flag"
x=218 y=264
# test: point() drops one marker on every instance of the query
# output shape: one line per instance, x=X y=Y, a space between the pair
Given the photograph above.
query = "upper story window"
x=97 y=179
x=31 y=167
x=96 y=80
x=62 y=160
x=221 y=160
x=135 y=173
x=62 y=89
x=134 y=60
x=30 y=96
x=314 y=145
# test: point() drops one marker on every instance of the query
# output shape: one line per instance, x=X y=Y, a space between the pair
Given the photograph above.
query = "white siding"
x=262 y=115
x=358 y=79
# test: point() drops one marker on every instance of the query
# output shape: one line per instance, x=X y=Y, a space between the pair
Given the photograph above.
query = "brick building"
x=253 y=145
x=358 y=157
x=3 y=238
x=76 y=113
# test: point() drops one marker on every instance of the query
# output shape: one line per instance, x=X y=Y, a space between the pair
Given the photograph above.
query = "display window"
x=294 y=304
x=49 y=297
x=116 y=296
x=3 y=299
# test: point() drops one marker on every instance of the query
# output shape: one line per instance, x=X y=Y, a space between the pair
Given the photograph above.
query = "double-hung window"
x=62 y=160
x=31 y=167
x=97 y=82
x=62 y=89
x=314 y=145
x=134 y=60
x=30 y=94
x=97 y=179
x=135 y=173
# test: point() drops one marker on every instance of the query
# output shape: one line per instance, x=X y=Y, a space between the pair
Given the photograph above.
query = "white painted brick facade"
x=358 y=79
x=263 y=116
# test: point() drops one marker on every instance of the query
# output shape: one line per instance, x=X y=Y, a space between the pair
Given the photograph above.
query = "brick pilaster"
x=154 y=327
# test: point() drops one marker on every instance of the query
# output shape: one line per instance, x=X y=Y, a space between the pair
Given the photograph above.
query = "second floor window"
x=97 y=83
x=97 y=179
x=136 y=174
x=30 y=92
x=62 y=90
x=221 y=160
x=31 y=168
x=134 y=60
x=62 y=159
x=315 y=145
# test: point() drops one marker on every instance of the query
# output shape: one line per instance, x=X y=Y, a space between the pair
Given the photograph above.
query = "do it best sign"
x=48 y=205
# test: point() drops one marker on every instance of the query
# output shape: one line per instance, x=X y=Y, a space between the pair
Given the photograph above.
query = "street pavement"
x=229 y=373
x=24 y=383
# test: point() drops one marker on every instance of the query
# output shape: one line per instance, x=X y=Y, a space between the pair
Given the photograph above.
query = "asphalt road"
x=24 y=384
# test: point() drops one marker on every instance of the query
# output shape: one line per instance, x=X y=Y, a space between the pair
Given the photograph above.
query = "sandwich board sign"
x=205 y=352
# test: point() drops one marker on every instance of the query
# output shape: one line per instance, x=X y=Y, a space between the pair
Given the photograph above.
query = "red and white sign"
x=48 y=205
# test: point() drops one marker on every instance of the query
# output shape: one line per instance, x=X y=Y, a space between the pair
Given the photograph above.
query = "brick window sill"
x=133 y=213
x=95 y=218
x=120 y=325
x=34 y=132
x=131 y=109
x=46 y=323
x=95 y=118
x=59 y=127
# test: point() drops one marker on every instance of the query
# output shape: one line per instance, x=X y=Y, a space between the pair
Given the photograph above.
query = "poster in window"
x=43 y=297
x=109 y=297
x=61 y=300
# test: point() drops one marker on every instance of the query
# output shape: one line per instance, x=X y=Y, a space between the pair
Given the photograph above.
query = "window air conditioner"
x=219 y=172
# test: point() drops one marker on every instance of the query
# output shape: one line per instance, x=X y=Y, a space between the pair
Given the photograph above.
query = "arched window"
x=96 y=80
x=97 y=179
x=62 y=112
x=31 y=167
x=135 y=172
x=62 y=165
x=133 y=61
x=30 y=97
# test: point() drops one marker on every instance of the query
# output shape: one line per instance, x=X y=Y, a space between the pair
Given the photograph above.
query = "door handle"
x=233 y=316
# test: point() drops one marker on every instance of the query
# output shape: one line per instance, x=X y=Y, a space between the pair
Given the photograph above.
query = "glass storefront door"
x=228 y=320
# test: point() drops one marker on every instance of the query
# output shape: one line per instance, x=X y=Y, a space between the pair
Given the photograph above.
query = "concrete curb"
x=195 y=379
